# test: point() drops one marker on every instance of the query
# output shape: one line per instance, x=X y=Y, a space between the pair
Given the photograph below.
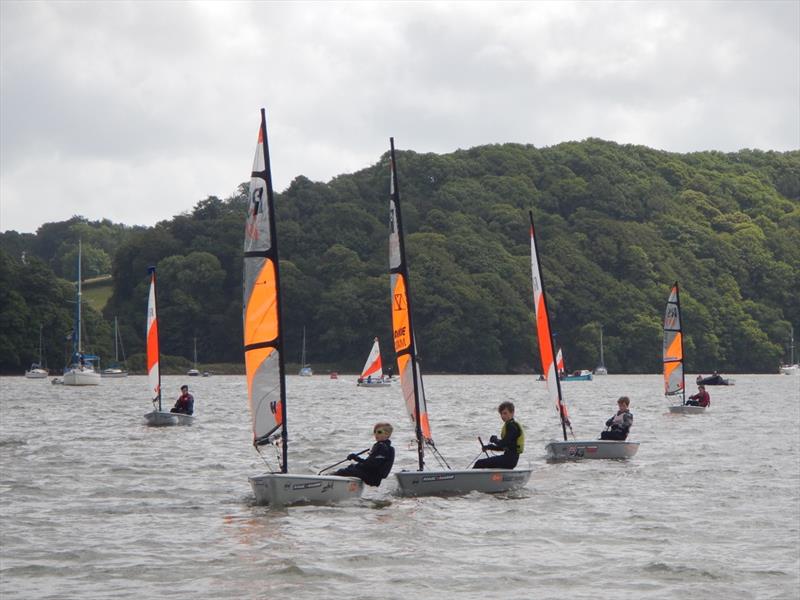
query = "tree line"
x=616 y=225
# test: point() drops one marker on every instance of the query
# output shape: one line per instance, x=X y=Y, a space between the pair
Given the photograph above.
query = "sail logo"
x=256 y=207
x=392 y=228
x=400 y=333
x=671 y=318
x=399 y=302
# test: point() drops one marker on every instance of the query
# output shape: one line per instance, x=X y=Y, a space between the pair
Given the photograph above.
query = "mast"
x=303 y=351
x=602 y=362
x=77 y=347
x=195 y=353
x=116 y=341
x=262 y=307
x=40 y=343
x=547 y=349
x=405 y=344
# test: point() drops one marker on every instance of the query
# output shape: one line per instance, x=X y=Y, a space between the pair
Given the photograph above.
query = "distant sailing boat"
x=422 y=481
x=674 y=382
x=575 y=448
x=81 y=370
x=372 y=373
x=193 y=372
x=158 y=417
x=792 y=368
x=582 y=375
x=37 y=371
x=601 y=368
x=264 y=351
x=116 y=370
x=305 y=368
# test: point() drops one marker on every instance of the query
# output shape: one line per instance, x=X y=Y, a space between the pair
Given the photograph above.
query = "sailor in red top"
x=185 y=403
x=701 y=398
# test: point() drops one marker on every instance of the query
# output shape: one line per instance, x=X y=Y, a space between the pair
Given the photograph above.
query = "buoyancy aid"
x=520 y=437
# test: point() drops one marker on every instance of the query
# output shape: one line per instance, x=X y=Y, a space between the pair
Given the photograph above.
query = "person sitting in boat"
x=620 y=424
x=701 y=398
x=511 y=442
x=185 y=402
x=376 y=467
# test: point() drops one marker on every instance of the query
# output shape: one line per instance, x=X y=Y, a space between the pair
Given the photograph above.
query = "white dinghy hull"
x=375 y=384
x=601 y=449
x=159 y=418
x=431 y=483
x=687 y=409
x=284 y=489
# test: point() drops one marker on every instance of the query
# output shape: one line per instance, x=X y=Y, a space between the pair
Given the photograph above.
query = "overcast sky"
x=135 y=111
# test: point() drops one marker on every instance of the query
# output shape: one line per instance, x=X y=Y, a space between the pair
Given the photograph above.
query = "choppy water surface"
x=96 y=505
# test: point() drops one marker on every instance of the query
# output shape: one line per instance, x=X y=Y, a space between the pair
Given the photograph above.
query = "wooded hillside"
x=617 y=226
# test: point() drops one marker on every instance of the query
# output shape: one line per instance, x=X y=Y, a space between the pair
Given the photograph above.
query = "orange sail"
x=263 y=342
x=153 y=367
x=549 y=361
x=402 y=326
x=673 y=345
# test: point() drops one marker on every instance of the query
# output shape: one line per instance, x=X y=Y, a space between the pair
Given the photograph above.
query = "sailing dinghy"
x=425 y=482
x=574 y=449
x=674 y=384
x=157 y=417
x=372 y=373
x=264 y=351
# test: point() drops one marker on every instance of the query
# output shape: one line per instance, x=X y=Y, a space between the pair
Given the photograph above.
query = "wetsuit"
x=184 y=405
x=511 y=442
x=373 y=469
x=620 y=425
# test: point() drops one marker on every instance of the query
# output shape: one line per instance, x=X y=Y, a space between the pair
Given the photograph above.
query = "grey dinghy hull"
x=164 y=419
x=284 y=489
x=687 y=409
x=603 y=449
x=431 y=483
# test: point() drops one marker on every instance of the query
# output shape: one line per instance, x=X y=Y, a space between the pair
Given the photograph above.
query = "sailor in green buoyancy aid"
x=511 y=442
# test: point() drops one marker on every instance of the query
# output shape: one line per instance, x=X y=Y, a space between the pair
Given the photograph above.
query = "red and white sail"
x=373 y=368
x=559 y=362
x=550 y=364
x=153 y=367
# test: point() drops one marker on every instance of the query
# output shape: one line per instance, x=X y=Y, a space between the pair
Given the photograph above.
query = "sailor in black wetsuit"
x=376 y=467
x=511 y=442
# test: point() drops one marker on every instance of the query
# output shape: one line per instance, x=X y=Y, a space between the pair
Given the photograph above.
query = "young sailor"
x=376 y=467
x=701 y=398
x=620 y=424
x=511 y=442
x=185 y=403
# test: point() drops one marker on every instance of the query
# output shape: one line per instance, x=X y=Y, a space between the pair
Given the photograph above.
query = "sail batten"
x=261 y=311
x=402 y=324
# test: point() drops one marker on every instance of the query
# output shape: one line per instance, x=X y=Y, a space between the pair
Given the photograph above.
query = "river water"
x=96 y=505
